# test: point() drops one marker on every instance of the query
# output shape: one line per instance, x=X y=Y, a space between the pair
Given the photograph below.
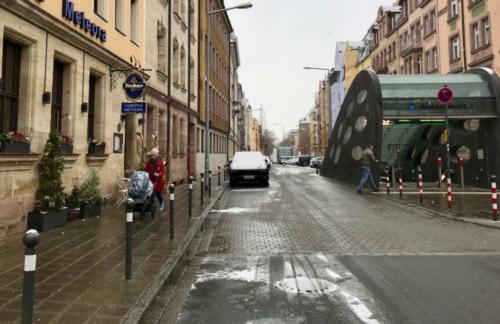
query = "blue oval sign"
x=134 y=86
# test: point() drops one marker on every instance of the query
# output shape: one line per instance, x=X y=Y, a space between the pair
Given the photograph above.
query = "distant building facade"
x=304 y=137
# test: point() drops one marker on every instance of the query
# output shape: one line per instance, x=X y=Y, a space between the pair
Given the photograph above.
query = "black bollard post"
x=30 y=240
x=171 y=189
x=128 y=238
x=218 y=178
x=209 y=183
x=190 y=202
x=202 y=187
x=225 y=173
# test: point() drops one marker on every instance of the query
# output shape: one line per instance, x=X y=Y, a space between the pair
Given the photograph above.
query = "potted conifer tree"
x=49 y=209
x=90 y=196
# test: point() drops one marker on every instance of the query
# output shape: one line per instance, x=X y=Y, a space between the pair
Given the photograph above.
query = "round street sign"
x=134 y=86
x=445 y=95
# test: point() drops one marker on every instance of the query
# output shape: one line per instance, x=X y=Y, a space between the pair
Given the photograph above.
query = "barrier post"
x=494 y=205
x=30 y=240
x=400 y=183
x=420 y=185
x=129 y=219
x=440 y=171
x=462 y=175
x=388 y=179
x=190 y=200
x=218 y=177
x=449 y=195
x=209 y=183
x=202 y=187
x=171 y=189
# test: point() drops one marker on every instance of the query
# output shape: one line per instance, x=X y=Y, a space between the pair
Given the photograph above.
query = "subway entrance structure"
x=401 y=117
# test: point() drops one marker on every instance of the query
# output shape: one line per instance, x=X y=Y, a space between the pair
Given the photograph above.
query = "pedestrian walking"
x=367 y=158
x=156 y=170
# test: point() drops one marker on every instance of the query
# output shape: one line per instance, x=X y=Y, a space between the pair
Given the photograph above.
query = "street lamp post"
x=316 y=68
x=246 y=5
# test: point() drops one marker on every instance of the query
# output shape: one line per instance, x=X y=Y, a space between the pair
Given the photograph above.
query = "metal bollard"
x=171 y=189
x=202 y=186
x=494 y=205
x=129 y=219
x=420 y=185
x=440 y=172
x=387 y=180
x=218 y=178
x=462 y=175
x=209 y=183
x=449 y=195
x=190 y=201
x=30 y=240
x=400 y=184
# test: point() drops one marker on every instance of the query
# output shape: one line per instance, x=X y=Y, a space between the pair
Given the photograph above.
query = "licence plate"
x=249 y=177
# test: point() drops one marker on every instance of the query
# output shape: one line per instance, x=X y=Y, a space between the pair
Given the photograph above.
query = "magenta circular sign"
x=445 y=95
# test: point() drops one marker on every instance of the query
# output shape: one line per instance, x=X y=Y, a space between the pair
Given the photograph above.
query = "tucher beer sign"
x=79 y=19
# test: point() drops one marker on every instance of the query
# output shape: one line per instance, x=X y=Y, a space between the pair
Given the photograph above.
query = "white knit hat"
x=154 y=151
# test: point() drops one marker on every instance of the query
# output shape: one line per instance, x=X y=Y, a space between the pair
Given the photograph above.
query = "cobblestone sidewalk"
x=80 y=274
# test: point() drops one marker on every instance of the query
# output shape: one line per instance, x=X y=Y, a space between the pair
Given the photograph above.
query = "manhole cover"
x=306 y=286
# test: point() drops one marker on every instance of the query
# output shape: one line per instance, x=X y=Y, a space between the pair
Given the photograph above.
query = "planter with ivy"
x=49 y=211
x=14 y=143
x=96 y=147
x=73 y=202
x=90 y=196
x=67 y=145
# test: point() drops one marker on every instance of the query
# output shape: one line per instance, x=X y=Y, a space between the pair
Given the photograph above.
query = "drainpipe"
x=169 y=90
x=189 y=162
x=464 y=47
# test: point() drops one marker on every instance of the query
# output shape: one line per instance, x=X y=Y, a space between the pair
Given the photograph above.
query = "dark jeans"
x=158 y=195
x=367 y=175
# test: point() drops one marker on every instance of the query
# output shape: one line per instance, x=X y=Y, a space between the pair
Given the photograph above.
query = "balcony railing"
x=413 y=45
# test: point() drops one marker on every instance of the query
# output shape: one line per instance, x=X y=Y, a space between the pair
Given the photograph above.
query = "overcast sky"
x=278 y=37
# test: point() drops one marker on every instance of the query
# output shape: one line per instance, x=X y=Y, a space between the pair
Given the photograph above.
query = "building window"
x=95 y=84
x=453 y=5
x=486 y=31
x=175 y=136
x=192 y=76
x=100 y=8
x=9 y=94
x=134 y=21
x=475 y=37
x=183 y=67
x=57 y=98
x=455 y=48
x=175 y=60
x=162 y=47
x=418 y=68
x=432 y=21
x=183 y=137
x=198 y=140
x=119 y=13
x=202 y=141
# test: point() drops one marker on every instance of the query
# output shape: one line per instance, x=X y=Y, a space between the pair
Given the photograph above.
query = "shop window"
x=94 y=110
x=9 y=95
x=162 y=132
x=198 y=140
x=100 y=8
x=57 y=98
x=119 y=14
x=134 y=21
x=183 y=136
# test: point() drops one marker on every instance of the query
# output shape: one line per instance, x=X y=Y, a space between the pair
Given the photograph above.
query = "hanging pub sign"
x=134 y=86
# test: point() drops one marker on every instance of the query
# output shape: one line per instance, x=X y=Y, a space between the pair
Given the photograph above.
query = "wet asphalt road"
x=308 y=250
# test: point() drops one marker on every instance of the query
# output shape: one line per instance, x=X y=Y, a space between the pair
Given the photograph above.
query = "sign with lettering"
x=134 y=86
x=79 y=19
x=134 y=107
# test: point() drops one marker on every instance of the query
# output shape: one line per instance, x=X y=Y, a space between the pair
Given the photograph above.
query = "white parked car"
x=250 y=167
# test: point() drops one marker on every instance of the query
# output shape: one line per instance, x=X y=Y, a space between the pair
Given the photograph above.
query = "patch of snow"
x=235 y=210
x=360 y=309
x=249 y=161
x=247 y=275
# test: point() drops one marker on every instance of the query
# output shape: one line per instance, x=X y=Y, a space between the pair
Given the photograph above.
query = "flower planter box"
x=87 y=210
x=67 y=149
x=43 y=221
x=96 y=150
x=73 y=214
x=15 y=147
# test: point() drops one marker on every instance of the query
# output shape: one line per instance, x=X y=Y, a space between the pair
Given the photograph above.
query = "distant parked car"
x=316 y=162
x=249 y=167
x=303 y=160
x=293 y=161
x=285 y=160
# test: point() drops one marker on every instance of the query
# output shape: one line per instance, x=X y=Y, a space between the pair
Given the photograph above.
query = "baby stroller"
x=140 y=190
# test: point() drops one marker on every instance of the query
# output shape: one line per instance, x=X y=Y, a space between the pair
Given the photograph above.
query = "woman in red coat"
x=156 y=170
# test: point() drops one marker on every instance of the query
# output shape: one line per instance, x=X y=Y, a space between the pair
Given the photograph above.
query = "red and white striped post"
x=448 y=182
x=420 y=185
x=440 y=172
x=388 y=181
x=400 y=183
x=494 y=205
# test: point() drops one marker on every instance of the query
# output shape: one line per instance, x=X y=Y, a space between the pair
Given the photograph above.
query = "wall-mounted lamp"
x=123 y=118
x=46 y=98
x=84 y=107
